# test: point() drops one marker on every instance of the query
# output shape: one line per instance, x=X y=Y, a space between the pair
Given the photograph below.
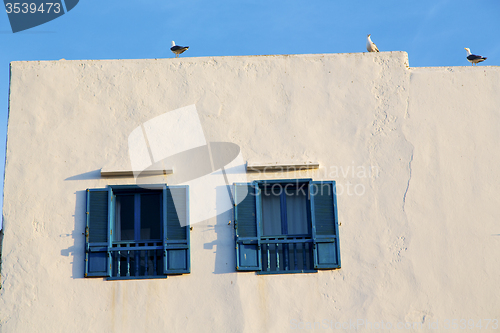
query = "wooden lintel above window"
x=279 y=167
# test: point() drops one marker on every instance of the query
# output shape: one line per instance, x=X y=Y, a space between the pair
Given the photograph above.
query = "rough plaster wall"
x=453 y=199
x=350 y=112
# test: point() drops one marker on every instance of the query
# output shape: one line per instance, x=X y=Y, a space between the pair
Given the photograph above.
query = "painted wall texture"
x=414 y=152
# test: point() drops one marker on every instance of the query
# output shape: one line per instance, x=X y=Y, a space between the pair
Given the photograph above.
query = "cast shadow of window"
x=77 y=250
x=223 y=245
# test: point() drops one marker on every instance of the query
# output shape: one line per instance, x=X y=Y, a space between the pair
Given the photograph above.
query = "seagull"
x=370 y=46
x=178 y=49
x=474 y=59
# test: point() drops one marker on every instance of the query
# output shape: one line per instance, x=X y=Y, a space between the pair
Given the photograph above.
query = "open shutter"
x=247 y=216
x=176 y=230
x=97 y=261
x=324 y=225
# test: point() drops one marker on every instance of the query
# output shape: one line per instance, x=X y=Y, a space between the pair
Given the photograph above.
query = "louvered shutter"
x=247 y=216
x=97 y=261
x=324 y=225
x=176 y=230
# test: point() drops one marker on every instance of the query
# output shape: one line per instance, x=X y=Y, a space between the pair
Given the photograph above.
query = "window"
x=137 y=232
x=286 y=226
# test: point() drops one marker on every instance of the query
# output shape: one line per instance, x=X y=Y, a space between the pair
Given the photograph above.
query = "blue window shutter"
x=97 y=232
x=176 y=230
x=324 y=223
x=247 y=217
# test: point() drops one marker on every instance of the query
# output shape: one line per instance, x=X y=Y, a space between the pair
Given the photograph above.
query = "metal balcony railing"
x=287 y=254
x=137 y=259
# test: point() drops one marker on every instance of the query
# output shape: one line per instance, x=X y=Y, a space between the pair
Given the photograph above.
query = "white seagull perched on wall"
x=178 y=49
x=370 y=46
x=474 y=59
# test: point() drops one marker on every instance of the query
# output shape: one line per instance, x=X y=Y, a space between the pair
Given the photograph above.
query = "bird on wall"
x=474 y=59
x=178 y=49
x=370 y=46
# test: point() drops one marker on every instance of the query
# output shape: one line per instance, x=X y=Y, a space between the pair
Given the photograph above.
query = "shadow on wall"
x=96 y=174
x=1 y=242
x=78 y=235
x=225 y=261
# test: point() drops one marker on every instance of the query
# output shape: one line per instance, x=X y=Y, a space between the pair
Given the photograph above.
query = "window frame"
x=137 y=198
x=286 y=240
x=325 y=252
x=176 y=252
x=284 y=207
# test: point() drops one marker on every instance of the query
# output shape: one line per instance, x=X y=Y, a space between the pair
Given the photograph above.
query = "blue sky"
x=434 y=33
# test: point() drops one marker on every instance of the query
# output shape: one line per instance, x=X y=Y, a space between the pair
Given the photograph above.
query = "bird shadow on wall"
x=223 y=245
x=78 y=235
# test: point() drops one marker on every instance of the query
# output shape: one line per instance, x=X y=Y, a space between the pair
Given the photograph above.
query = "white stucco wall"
x=419 y=239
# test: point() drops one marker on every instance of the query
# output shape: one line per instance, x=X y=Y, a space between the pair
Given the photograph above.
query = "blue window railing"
x=137 y=259
x=287 y=254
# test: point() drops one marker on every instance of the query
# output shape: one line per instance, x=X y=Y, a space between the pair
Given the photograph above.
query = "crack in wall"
x=409 y=179
x=388 y=138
